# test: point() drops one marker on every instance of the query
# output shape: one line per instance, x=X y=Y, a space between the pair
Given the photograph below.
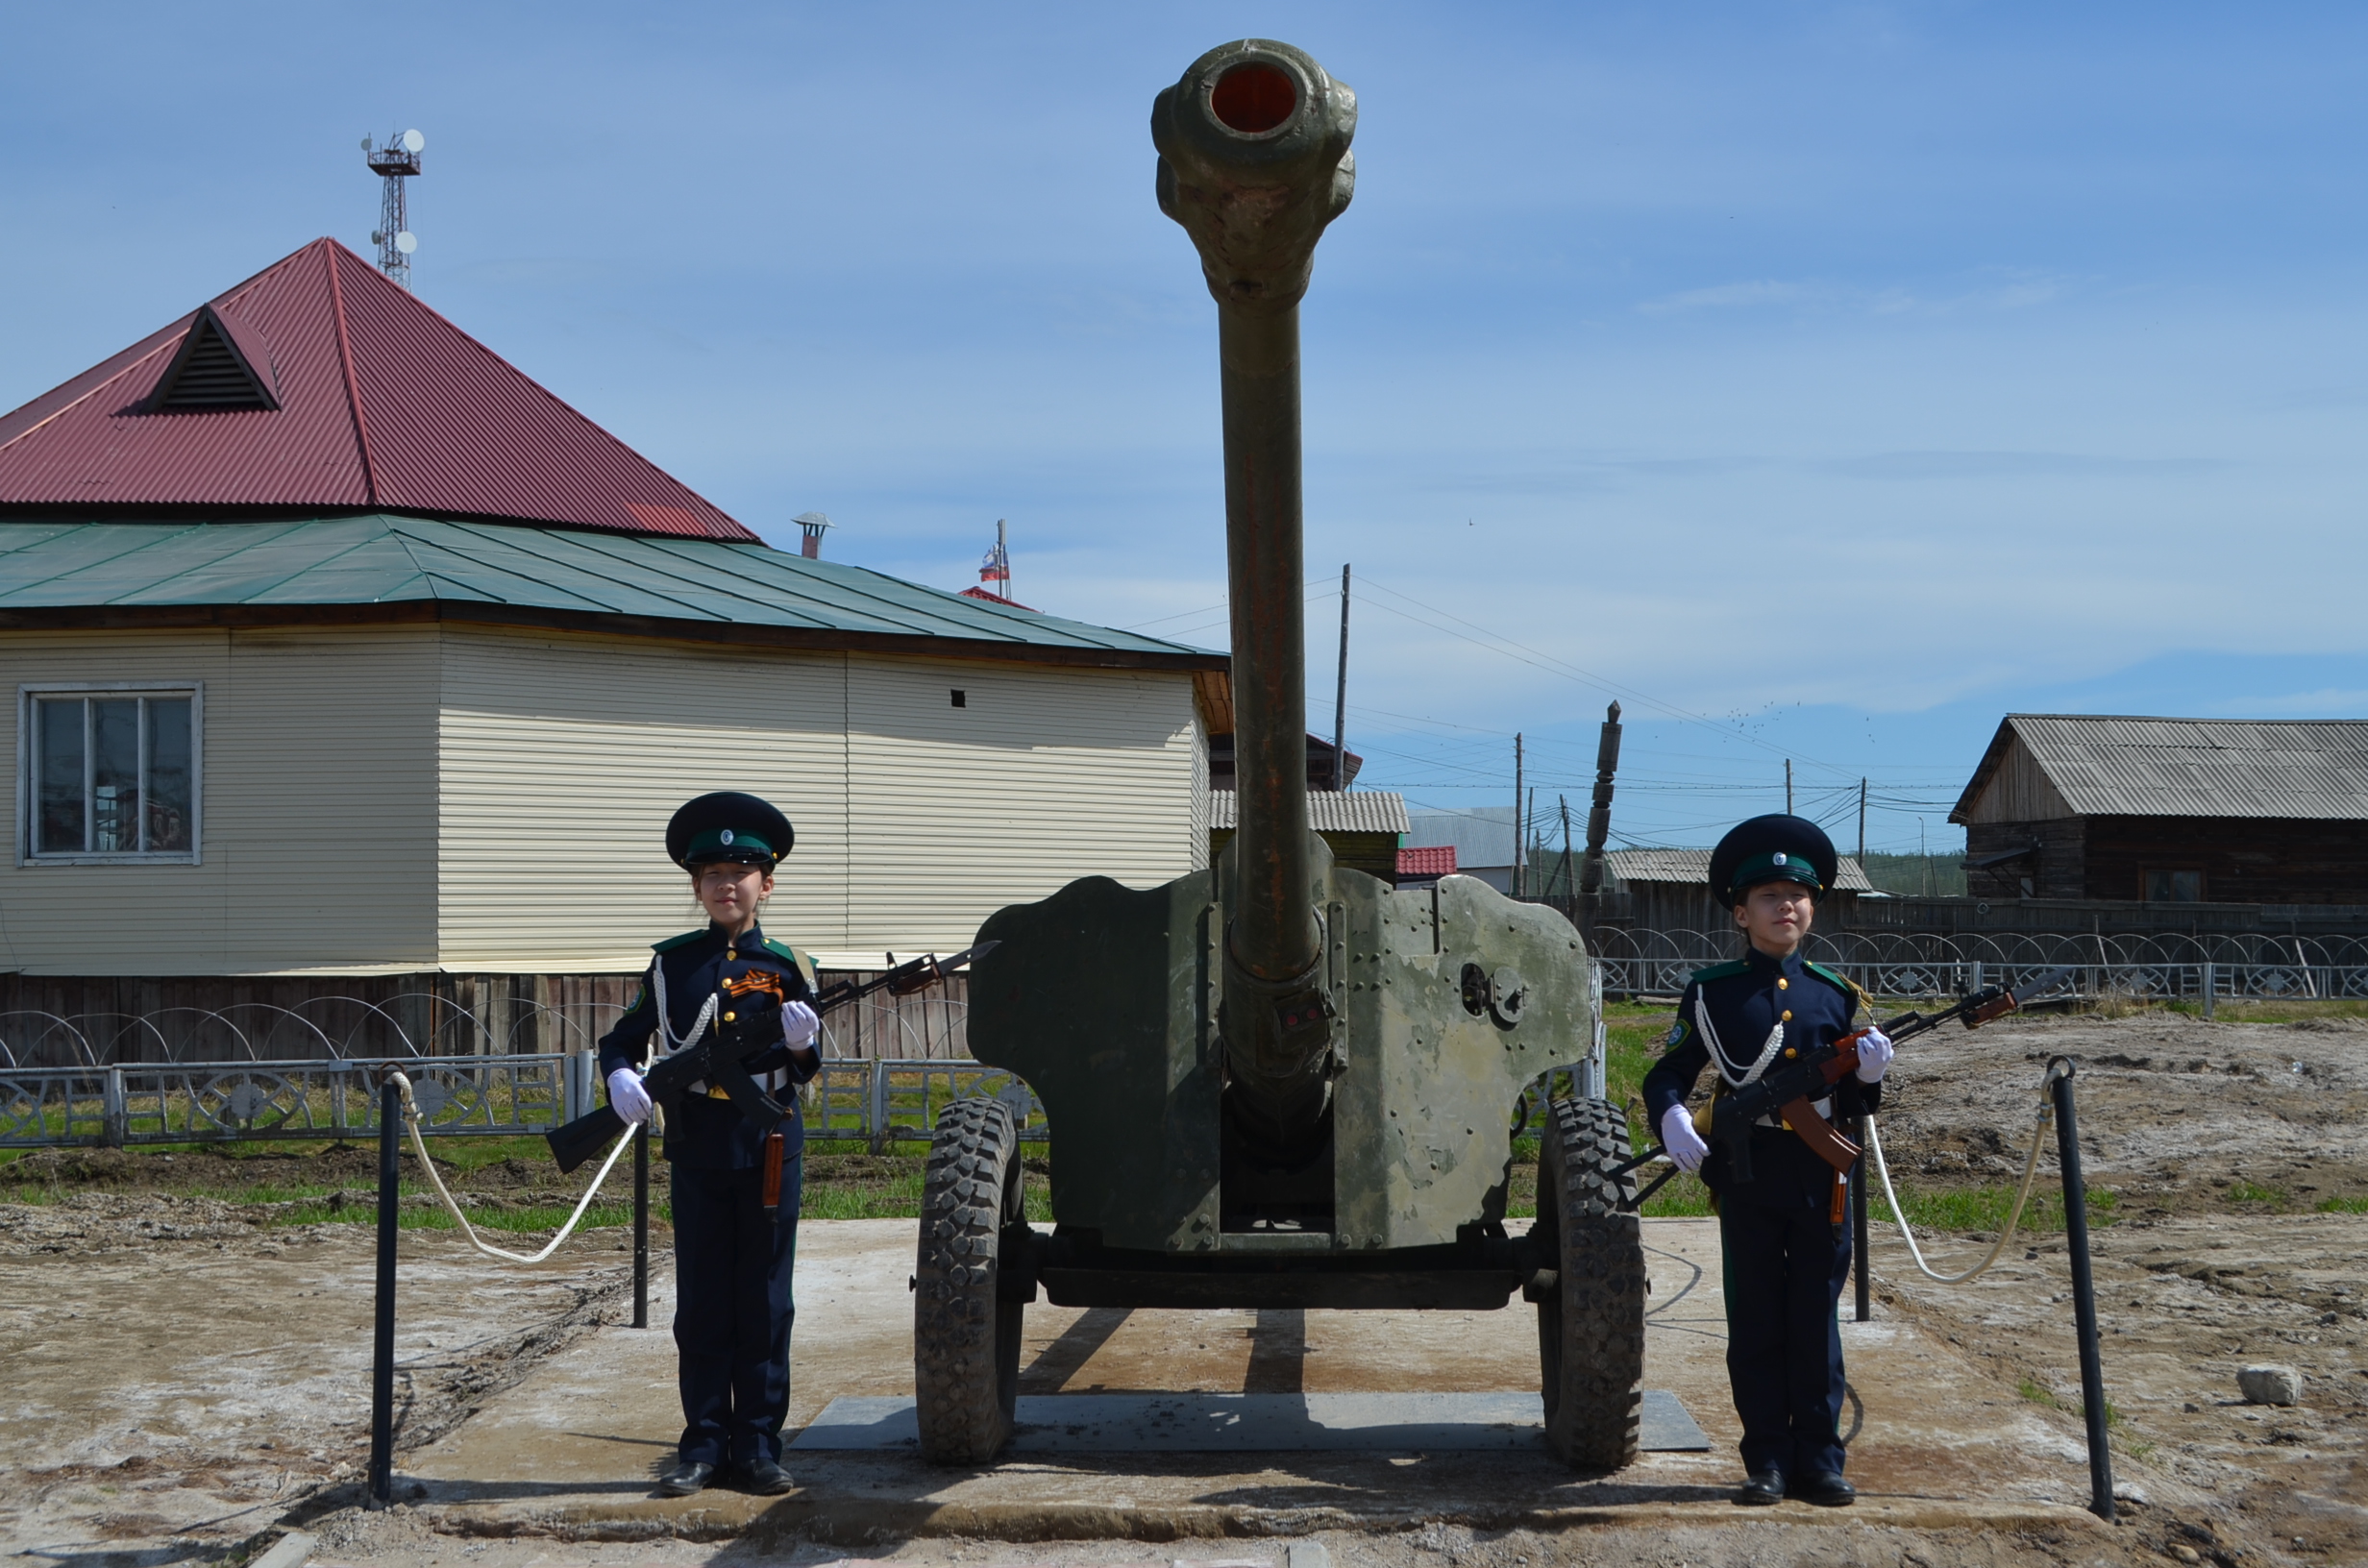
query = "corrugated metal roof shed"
x=50 y=569
x=1692 y=868
x=1331 y=811
x=2104 y=766
x=382 y=403
x=1480 y=836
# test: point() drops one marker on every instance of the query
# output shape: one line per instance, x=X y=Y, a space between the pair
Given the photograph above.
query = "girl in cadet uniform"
x=736 y=1178
x=1785 y=1245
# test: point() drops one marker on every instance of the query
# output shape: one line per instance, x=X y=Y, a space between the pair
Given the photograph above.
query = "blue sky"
x=1822 y=381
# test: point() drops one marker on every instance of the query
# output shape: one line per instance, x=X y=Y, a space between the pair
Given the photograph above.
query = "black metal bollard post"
x=1857 y=1224
x=383 y=1354
x=2083 y=1289
x=641 y=1226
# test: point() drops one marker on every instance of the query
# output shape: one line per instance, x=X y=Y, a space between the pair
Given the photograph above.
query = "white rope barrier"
x=2022 y=1195
x=411 y=1118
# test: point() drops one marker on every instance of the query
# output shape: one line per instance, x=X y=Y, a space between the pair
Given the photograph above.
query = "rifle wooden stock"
x=583 y=1139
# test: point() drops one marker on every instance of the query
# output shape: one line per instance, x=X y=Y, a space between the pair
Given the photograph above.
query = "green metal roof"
x=391 y=559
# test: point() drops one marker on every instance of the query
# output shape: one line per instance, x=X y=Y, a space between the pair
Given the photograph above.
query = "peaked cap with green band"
x=1773 y=848
x=732 y=826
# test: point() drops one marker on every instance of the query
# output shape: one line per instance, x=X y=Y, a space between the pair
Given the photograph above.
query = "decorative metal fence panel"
x=2171 y=967
x=872 y=1101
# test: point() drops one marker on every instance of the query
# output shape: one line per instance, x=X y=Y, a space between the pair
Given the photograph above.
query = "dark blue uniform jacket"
x=1745 y=1003
x=755 y=978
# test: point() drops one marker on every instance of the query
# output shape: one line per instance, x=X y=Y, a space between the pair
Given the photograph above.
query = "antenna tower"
x=394 y=164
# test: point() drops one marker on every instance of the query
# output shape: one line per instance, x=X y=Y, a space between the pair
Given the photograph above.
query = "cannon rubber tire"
x=1590 y=1326
x=966 y=1342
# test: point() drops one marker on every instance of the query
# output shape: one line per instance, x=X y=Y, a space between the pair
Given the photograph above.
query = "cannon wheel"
x=1590 y=1322
x=966 y=1342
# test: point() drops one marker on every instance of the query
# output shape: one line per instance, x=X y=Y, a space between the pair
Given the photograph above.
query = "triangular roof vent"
x=211 y=374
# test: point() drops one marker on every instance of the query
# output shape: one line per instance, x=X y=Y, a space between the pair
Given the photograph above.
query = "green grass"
x=2355 y=1205
x=2232 y=1010
x=1985 y=1209
x=2244 y=1191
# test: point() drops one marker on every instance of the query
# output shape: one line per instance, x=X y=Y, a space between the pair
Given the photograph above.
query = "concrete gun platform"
x=571 y=1451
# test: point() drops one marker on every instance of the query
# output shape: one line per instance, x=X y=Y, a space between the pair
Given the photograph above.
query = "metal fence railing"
x=325 y=1029
x=872 y=1101
x=2154 y=966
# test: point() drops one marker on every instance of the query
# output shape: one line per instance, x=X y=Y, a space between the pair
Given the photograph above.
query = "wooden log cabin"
x=2169 y=811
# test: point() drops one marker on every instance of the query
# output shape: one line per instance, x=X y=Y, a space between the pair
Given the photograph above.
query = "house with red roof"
x=341 y=648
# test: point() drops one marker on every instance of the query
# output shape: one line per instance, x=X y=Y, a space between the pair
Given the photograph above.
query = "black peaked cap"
x=1747 y=849
x=728 y=826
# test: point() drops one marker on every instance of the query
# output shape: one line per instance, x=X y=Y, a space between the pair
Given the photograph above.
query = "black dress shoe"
x=765 y=1479
x=685 y=1479
x=1826 y=1489
x=1762 y=1488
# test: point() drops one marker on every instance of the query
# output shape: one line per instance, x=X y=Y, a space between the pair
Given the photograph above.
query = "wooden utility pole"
x=1339 y=697
x=1562 y=872
x=1788 y=786
x=1862 y=824
x=1598 y=824
x=1512 y=879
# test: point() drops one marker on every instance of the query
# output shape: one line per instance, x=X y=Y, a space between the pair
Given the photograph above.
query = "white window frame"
x=28 y=794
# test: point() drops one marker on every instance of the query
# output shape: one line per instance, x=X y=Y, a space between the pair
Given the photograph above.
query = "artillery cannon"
x=1276 y=1082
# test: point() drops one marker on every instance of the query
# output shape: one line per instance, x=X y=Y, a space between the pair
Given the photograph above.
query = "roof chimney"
x=815 y=523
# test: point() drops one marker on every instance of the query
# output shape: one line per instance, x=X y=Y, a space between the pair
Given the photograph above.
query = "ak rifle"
x=724 y=1059
x=1788 y=1091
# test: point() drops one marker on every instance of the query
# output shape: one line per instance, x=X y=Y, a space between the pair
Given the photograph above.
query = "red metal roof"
x=1427 y=860
x=384 y=404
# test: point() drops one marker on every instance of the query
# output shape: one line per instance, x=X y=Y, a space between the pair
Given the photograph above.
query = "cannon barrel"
x=1254 y=163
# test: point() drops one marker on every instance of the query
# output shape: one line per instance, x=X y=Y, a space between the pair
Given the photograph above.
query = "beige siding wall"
x=409 y=798
x=563 y=756
x=2018 y=791
x=915 y=819
x=1046 y=775
x=318 y=810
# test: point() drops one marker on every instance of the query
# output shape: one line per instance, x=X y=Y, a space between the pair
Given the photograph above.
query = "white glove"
x=627 y=1097
x=799 y=1024
x=1677 y=1136
x=1875 y=1052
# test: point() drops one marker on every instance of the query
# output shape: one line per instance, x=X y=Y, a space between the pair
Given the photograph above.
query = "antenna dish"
x=414 y=142
x=365 y=144
x=406 y=242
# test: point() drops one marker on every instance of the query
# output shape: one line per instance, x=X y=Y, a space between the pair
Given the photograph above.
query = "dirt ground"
x=157 y=1406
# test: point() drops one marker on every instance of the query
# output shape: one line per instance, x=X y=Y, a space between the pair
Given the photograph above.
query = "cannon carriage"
x=1276 y=1082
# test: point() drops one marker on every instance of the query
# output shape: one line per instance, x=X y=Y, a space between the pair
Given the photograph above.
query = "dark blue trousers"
x=1784 y=1269
x=734 y=1310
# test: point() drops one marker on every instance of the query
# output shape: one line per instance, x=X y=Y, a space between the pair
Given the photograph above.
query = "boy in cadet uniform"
x=736 y=1175
x=1783 y=1234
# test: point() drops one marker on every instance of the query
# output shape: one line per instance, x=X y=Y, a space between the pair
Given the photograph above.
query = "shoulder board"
x=1721 y=971
x=783 y=951
x=1839 y=982
x=672 y=943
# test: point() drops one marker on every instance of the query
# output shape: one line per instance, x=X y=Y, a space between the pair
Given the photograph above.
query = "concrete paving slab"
x=572 y=1450
x=1245 y=1424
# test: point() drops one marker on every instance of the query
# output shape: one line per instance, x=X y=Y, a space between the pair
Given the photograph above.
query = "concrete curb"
x=850 y=1520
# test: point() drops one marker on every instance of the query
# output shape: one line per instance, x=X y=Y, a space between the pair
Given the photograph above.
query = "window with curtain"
x=112 y=773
